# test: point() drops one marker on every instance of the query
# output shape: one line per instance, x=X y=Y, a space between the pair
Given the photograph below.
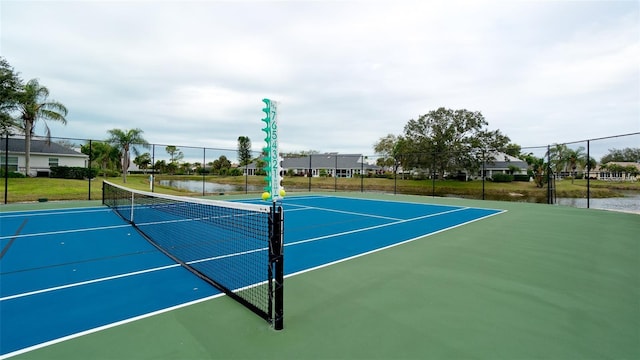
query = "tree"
x=513 y=150
x=103 y=154
x=126 y=141
x=557 y=156
x=574 y=158
x=567 y=160
x=160 y=166
x=537 y=168
x=10 y=87
x=396 y=152
x=385 y=148
x=186 y=167
x=221 y=165
x=33 y=106
x=175 y=154
x=244 y=150
x=624 y=155
x=143 y=161
x=450 y=139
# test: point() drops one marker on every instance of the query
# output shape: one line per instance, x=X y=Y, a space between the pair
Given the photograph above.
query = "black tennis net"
x=236 y=247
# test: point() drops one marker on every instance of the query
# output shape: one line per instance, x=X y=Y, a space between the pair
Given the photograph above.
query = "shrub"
x=12 y=174
x=67 y=172
x=502 y=178
x=521 y=177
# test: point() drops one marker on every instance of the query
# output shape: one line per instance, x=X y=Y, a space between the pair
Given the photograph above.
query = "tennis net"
x=236 y=247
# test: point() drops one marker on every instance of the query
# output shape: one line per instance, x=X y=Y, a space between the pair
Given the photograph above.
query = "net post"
x=132 y=204
x=277 y=263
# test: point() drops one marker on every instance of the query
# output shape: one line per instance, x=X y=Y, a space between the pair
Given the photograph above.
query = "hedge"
x=67 y=172
x=502 y=178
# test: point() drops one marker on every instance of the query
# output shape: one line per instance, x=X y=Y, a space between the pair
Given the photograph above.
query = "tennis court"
x=535 y=281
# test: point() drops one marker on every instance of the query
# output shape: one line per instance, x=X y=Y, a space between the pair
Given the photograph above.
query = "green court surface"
x=537 y=282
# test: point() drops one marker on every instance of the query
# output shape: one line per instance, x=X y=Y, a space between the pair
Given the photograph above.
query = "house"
x=44 y=155
x=616 y=171
x=495 y=163
x=501 y=163
x=329 y=164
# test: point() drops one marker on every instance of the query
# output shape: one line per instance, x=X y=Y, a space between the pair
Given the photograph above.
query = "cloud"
x=345 y=72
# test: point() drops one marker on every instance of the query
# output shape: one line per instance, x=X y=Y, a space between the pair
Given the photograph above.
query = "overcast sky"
x=346 y=73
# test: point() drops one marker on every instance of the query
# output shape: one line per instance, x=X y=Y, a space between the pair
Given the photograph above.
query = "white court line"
x=107 y=326
x=230 y=255
x=64 y=231
x=143 y=316
x=48 y=212
x=394 y=245
x=303 y=207
x=16 y=296
x=376 y=226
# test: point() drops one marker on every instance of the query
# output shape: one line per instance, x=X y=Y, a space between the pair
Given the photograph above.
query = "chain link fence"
x=601 y=173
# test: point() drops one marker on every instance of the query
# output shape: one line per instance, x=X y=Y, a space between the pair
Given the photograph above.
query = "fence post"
x=362 y=174
x=6 y=166
x=483 y=174
x=310 y=174
x=588 y=175
x=153 y=166
x=335 y=175
x=89 y=172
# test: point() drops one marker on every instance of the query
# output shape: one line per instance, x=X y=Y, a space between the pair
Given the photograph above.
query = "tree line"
x=447 y=141
x=107 y=156
x=443 y=141
x=23 y=104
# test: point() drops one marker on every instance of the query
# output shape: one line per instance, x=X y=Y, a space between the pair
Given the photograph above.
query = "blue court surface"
x=64 y=273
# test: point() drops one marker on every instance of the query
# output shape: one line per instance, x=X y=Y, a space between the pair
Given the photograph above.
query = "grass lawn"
x=35 y=189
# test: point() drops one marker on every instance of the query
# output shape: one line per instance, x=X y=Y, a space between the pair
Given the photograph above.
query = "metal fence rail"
x=577 y=162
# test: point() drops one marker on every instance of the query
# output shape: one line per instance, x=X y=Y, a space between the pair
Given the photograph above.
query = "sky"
x=345 y=73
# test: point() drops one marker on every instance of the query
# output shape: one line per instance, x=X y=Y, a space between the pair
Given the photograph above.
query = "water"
x=629 y=203
x=209 y=187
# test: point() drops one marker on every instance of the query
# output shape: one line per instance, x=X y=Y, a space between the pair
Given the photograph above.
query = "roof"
x=324 y=161
x=499 y=160
x=38 y=147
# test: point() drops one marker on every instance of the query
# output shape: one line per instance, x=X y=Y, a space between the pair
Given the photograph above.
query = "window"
x=13 y=163
x=53 y=162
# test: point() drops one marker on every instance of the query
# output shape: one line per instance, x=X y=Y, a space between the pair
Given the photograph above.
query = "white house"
x=329 y=164
x=604 y=173
x=501 y=163
x=44 y=155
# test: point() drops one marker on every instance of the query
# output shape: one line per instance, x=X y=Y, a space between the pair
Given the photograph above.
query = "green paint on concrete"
x=540 y=281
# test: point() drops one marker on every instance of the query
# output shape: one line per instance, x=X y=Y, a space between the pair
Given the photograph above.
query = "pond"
x=209 y=187
x=630 y=202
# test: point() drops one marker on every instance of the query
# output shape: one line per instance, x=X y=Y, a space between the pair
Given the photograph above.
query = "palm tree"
x=575 y=157
x=143 y=161
x=557 y=158
x=33 y=106
x=10 y=86
x=103 y=154
x=126 y=141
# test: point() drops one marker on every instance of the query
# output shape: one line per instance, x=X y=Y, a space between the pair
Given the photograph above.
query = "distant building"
x=329 y=164
x=44 y=155
x=501 y=163
x=604 y=171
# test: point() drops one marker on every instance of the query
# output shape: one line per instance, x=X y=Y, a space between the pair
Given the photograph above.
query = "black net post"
x=6 y=167
x=276 y=245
